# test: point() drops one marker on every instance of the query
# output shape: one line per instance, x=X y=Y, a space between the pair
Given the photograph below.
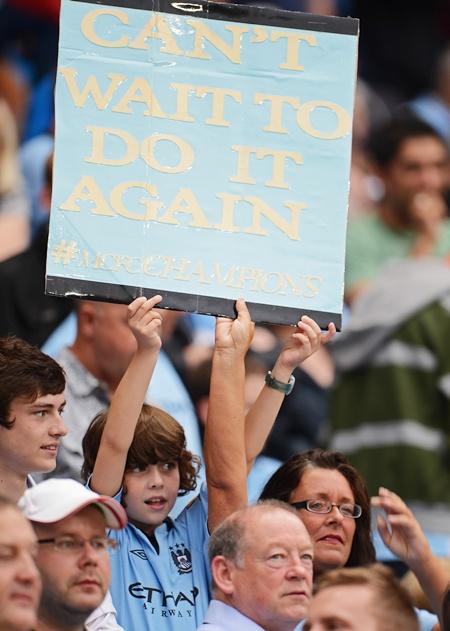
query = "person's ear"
x=223 y=571
x=86 y=315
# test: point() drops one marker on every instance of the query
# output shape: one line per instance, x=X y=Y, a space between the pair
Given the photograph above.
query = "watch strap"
x=285 y=388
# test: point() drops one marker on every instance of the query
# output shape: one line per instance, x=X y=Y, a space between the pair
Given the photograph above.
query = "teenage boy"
x=31 y=403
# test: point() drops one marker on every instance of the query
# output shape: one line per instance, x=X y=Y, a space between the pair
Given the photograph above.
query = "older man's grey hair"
x=229 y=539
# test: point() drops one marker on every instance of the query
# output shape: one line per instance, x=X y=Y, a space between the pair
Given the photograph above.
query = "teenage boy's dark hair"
x=385 y=141
x=158 y=438
x=25 y=372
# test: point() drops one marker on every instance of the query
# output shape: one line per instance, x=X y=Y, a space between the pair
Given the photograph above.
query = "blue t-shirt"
x=426 y=619
x=163 y=584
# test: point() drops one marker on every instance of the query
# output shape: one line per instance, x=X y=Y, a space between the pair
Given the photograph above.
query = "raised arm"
x=402 y=534
x=304 y=341
x=126 y=404
x=224 y=450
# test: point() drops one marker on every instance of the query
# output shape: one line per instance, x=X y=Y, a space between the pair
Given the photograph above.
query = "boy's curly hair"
x=158 y=438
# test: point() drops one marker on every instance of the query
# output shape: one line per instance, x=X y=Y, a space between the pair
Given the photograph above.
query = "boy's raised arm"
x=126 y=404
x=306 y=339
x=226 y=471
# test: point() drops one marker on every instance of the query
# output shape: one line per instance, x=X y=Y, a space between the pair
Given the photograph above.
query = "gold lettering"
x=276 y=109
x=293 y=43
x=278 y=164
x=87 y=27
x=84 y=259
x=234 y=278
x=98 y=141
x=260 y=208
x=217 y=273
x=146 y=266
x=128 y=262
x=91 y=88
x=186 y=158
x=252 y=274
x=228 y=204
x=99 y=261
x=181 y=269
x=279 y=286
x=279 y=158
x=183 y=91
x=296 y=287
x=259 y=35
x=150 y=206
x=172 y=265
x=311 y=286
x=203 y=32
x=343 y=120
x=108 y=267
x=185 y=202
x=199 y=271
x=141 y=92
x=157 y=28
x=87 y=190
x=243 y=165
x=218 y=97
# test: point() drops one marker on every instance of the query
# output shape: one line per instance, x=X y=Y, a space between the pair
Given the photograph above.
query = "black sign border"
x=193 y=303
x=241 y=13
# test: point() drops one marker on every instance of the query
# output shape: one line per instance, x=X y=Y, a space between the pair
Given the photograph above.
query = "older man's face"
x=20 y=584
x=75 y=580
x=342 y=608
x=273 y=582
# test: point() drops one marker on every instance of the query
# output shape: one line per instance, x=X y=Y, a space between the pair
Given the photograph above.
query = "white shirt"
x=222 y=617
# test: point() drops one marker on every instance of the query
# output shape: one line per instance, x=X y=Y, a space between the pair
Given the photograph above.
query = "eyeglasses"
x=71 y=545
x=324 y=506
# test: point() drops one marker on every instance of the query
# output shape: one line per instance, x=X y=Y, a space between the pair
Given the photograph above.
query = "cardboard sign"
x=203 y=152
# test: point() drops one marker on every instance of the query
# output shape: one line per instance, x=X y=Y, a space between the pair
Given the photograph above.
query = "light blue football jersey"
x=163 y=584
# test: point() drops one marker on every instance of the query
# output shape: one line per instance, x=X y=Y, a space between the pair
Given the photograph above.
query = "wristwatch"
x=286 y=388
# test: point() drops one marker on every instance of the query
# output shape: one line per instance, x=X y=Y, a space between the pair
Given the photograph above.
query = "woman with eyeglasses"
x=333 y=503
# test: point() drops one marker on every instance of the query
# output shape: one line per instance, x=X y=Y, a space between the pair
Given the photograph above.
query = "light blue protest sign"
x=203 y=152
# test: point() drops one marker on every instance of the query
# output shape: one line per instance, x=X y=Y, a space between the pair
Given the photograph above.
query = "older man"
x=367 y=598
x=70 y=522
x=261 y=563
x=20 y=584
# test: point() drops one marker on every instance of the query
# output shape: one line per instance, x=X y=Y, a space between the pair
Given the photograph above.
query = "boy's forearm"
x=225 y=423
x=126 y=406
x=263 y=413
x=224 y=438
x=127 y=400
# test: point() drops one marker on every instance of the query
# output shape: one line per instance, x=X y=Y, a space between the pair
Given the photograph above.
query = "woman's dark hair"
x=287 y=478
x=158 y=438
